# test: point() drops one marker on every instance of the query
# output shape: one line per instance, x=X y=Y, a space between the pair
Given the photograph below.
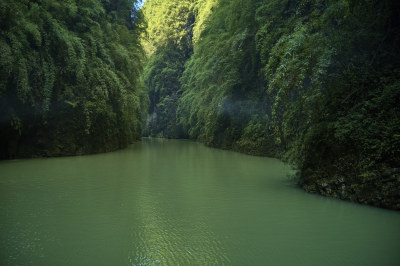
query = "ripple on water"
x=174 y=241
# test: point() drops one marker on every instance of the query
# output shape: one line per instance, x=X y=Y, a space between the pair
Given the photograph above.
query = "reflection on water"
x=166 y=202
x=165 y=240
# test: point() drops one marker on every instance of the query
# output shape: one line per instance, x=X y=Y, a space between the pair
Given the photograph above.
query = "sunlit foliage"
x=313 y=82
x=172 y=29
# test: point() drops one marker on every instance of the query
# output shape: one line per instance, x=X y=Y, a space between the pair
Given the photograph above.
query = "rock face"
x=313 y=83
x=384 y=193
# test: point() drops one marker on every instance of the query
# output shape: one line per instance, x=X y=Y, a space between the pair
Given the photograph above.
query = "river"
x=170 y=202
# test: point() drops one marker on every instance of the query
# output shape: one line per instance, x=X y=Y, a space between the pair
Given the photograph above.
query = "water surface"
x=168 y=202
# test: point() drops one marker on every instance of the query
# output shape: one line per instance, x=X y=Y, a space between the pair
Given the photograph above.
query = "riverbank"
x=380 y=189
x=378 y=192
x=58 y=144
x=381 y=192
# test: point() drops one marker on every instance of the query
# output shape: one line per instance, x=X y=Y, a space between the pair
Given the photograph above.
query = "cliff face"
x=173 y=28
x=315 y=83
x=69 y=77
x=312 y=82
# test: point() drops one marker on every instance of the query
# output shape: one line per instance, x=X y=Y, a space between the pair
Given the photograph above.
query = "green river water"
x=169 y=202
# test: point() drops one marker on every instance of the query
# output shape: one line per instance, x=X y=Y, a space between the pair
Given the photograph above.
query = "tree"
x=70 y=77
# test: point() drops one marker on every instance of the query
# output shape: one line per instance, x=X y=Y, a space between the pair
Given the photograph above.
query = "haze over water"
x=168 y=202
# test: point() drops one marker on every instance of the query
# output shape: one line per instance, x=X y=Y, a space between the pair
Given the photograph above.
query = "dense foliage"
x=313 y=82
x=69 y=76
x=173 y=29
x=168 y=43
x=333 y=74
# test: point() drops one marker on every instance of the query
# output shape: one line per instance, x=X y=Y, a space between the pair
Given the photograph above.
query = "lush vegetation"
x=173 y=28
x=69 y=76
x=313 y=82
